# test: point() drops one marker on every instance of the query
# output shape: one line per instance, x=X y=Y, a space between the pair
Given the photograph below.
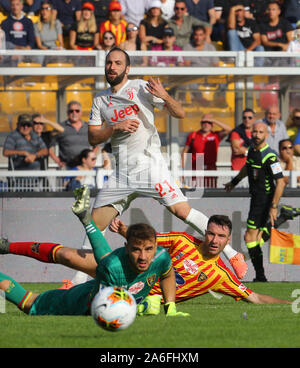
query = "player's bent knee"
x=4 y=285
x=180 y=210
x=65 y=256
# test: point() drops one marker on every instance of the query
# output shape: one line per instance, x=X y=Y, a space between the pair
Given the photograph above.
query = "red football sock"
x=44 y=252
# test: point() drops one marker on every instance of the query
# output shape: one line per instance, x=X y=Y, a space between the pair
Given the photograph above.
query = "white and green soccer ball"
x=113 y=308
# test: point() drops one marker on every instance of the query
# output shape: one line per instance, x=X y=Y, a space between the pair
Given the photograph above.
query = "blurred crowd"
x=141 y=24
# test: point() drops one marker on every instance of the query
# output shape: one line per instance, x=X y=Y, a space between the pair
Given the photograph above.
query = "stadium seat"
x=161 y=120
x=82 y=93
x=5 y=123
x=59 y=65
x=24 y=64
x=34 y=18
x=42 y=99
x=14 y=100
x=2 y=17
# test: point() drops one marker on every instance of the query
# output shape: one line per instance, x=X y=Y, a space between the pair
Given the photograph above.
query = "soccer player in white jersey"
x=124 y=113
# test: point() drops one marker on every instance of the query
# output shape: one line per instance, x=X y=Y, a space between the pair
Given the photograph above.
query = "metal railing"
x=55 y=180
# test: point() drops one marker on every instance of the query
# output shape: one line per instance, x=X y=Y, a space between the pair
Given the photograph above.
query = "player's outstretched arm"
x=81 y=208
x=256 y=298
x=168 y=288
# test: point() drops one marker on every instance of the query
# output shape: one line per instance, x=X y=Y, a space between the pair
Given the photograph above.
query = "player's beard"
x=117 y=80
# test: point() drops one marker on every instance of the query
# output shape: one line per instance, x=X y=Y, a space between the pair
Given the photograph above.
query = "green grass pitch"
x=214 y=323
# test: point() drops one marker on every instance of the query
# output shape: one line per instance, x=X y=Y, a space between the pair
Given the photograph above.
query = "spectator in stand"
x=115 y=23
x=5 y=6
x=48 y=30
x=152 y=27
x=258 y=11
x=39 y=127
x=168 y=45
x=294 y=46
x=293 y=124
x=203 y=10
x=101 y=10
x=84 y=35
x=31 y=7
x=287 y=158
x=86 y=160
x=198 y=43
x=167 y=8
x=276 y=128
x=205 y=141
x=134 y=10
x=277 y=33
x=25 y=146
x=243 y=33
x=240 y=140
x=183 y=24
x=222 y=8
x=74 y=138
x=132 y=42
x=19 y=31
x=297 y=139
x=291 y=11
x=68 y=12
x=108 y=41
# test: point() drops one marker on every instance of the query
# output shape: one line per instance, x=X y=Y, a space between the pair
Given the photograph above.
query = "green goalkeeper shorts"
x=73 y=302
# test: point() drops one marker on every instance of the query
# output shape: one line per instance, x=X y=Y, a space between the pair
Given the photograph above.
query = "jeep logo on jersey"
x=123 y=113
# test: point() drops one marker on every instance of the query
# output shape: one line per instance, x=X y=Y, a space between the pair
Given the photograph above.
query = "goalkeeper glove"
x=149 y=306
x=170 y=311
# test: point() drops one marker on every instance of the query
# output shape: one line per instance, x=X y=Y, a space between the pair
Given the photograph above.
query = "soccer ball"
x=113 y=308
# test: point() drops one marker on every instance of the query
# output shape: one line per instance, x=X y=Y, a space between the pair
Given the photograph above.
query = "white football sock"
x=197 y=220
x=229 y=251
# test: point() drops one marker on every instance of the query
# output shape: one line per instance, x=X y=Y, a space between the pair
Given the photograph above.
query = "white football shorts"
x=120 y=190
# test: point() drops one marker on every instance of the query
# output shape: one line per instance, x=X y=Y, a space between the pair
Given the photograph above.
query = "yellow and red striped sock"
x=44 y=252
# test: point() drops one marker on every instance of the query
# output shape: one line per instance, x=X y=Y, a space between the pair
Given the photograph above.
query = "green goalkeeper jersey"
x=113 y=270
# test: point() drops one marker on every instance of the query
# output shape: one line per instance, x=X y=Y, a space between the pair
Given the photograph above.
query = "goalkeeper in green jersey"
x=136 y=267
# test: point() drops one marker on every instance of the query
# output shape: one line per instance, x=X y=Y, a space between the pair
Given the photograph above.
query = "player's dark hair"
x=140 y=232
x=221 y=220
x=115 y=48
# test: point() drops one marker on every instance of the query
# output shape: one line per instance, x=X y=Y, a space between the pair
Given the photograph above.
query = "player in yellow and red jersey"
x=198 y=266
x=195 y=274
